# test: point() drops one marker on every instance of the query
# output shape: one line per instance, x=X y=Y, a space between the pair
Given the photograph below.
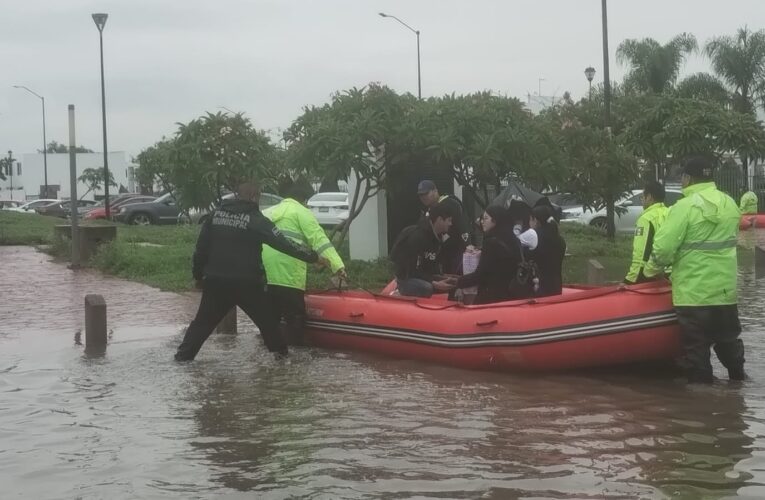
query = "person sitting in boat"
x=416 y=254
x=500 y=255
x=456 y=240
x=549 y=251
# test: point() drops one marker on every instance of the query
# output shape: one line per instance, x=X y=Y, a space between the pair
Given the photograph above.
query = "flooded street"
x=238 y=424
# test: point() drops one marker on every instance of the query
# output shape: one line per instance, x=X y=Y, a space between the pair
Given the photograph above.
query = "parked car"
x=99 y=212
x=632 y=205
x=30 y=206
x=266 y=200
x=63 y=208
x=330 y=209
x=8 y=204
x=162 y=210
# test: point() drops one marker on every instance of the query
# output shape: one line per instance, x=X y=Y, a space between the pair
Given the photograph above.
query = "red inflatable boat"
x=584 y=327
x=750 y=221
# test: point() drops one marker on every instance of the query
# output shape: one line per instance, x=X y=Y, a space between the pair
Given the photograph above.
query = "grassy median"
x=160 y=256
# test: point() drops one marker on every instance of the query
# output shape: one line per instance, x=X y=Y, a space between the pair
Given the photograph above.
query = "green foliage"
x=739 y=60
x=654 y=67
x=94 y=179
x=55 y=147
x=207 y=157
x=486 y=139
x=672 y=128
x=703 y=87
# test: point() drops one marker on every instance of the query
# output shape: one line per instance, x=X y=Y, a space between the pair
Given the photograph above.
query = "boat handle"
x=356 y=315
x=486 y=323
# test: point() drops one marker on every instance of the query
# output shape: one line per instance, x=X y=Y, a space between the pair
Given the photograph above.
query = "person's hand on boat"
x=341 y=274
x=443 y=286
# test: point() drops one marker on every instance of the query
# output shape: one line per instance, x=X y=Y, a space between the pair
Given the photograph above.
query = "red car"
x=100 y=211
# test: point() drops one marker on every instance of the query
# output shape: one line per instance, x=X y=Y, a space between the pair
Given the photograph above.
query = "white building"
x=29 y=178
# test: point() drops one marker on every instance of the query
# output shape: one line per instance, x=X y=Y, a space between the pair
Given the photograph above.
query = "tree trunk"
x=610 y=214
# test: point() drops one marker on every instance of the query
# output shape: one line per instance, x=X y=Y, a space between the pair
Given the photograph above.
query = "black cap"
x=425 y=186
x=700 y=167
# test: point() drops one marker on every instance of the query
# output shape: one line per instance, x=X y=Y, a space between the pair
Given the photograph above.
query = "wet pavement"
x=238 y=424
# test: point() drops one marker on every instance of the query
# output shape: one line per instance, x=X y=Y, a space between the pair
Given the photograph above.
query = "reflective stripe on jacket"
x=698 y=239
x=298 y=223
x=645 y=231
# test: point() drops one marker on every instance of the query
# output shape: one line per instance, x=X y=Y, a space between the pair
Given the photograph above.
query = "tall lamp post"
x=606 y=77
x=10 y=169
x=45 y=141
x=589 y=72
x=416 y=32
x=100 y=20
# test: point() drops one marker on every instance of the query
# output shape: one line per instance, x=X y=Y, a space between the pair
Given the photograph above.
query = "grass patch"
x=134 y=255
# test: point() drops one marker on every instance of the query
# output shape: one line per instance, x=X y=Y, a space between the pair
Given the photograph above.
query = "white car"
x=29 y=207
x=330 y=209
x=632 y=205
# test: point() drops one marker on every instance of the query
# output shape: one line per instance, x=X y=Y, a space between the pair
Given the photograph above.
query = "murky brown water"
x=238 y=424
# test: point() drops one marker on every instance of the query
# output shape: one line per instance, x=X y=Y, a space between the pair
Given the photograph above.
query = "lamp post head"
x=382 y=14
x=100 y=20
x=589 y=73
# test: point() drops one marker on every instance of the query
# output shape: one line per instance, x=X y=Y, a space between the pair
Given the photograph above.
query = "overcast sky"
x=169 y=61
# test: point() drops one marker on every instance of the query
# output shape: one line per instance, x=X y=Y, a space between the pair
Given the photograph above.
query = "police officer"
x=287 y=275
x=456 y=240
x=749 y=203
x=698 y=239
x=653 y=216
x=228 y=268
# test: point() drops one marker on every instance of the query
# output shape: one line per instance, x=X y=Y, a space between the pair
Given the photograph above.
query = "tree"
x=4 y=167
x=55 y=147
x=362 y=133
x=671 y=128
x=740 y=61
x=154 y=167
x=600 y=169
x=486 y=139
x=704 y=87
x=654 y=67
x=94 y=179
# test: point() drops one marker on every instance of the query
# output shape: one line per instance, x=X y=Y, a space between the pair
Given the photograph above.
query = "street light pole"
x=45 y=140
x=10 y=170
x=100 y=20
x=606 y=77
x=417 y=33
x=589 y=72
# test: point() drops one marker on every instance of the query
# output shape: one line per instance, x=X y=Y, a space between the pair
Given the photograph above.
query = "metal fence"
x=732 y=182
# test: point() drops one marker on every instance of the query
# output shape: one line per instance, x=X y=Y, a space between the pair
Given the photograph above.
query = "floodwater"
x=238 y=424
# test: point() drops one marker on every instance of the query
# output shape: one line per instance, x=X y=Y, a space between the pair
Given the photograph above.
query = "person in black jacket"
x=500 y=256
x=416 y=254
x=458 y=237
x=227 y=266
x=549 y=252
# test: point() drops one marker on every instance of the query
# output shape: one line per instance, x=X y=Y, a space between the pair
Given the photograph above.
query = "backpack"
x=525 y=283
x=395 y=251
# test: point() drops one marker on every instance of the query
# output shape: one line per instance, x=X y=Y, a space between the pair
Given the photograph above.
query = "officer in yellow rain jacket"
x=286 y=275
x=698 y=239
x=654 y=213
x=749 y=203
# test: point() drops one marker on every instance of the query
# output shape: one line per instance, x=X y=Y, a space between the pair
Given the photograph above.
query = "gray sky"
x=169 y=61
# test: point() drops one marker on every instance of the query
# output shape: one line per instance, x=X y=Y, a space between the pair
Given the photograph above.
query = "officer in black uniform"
x=228 y=268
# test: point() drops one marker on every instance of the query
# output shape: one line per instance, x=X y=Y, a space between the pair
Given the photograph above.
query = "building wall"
x=28 y=185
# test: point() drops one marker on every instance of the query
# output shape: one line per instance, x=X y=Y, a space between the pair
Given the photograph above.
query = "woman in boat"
x=549 y=252
x=500 y=255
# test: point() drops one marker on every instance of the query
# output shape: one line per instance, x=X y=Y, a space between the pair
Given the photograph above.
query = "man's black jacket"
x=230 y=244
x=416 y=252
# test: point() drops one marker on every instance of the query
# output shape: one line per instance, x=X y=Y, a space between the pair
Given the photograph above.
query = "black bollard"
x=95 y=324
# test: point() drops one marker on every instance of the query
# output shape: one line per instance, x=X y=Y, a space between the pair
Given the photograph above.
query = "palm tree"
x=740 y=62
x=703 y=87
x=654 y=67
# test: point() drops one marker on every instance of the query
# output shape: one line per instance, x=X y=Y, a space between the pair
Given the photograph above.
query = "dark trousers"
x=289 y=305
x=218 y=298
x=707 y=326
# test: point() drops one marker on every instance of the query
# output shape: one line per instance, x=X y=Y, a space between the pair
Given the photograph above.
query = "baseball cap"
x=425 y=186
